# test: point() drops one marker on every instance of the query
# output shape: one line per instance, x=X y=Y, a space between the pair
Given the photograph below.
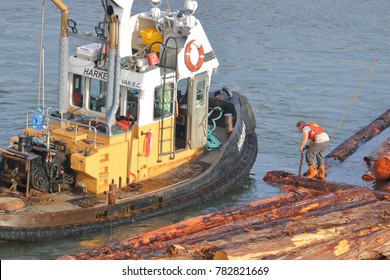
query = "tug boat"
x=137 y=132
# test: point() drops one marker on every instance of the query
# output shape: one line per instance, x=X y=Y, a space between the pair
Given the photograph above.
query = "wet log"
x=382 y=167
x=383 y=149
x=221 y=236
x=355 y=233
x=365 y=134
x=286 y=178
x=293 y=183
x=369 y=176
x=363 y=233
x=196 y=224
x=386 y=188
x=214 y=240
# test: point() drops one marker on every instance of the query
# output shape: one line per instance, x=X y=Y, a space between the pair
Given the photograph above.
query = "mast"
x=41 y=73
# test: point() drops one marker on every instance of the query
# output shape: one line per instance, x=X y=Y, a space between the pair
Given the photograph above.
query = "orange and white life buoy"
x=194 y=67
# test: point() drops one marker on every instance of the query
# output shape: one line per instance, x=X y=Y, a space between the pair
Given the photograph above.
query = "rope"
x=212 y=141
x=355 y=97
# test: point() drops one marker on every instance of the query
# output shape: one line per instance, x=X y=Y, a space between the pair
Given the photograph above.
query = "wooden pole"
x=112 y=194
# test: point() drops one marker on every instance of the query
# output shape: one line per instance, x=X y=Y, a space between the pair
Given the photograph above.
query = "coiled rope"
x=212 y=141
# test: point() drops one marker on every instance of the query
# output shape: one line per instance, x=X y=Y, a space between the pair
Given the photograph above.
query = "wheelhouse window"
x=132 y=103
x=127 y=112
x=78 y=91
x=182 y=92
x=97 y=95
x=200 y=93
x=163 y=100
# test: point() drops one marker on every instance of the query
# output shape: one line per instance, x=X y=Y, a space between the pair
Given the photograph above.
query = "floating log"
x=199 y=223
x=368 y=176
x=383 y=149
x=290 y=181
x=382 y=167
x=354 y=233
x=378 y=162
x=281 y=227
x=286 y=178
x=365 y=134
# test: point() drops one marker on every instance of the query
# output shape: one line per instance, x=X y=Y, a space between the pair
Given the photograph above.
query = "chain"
x=300 y=165
x=301 y=161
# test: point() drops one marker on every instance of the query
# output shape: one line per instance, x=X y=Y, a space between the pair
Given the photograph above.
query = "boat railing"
x=43 y=120
x=101 y=126
x=94 y=123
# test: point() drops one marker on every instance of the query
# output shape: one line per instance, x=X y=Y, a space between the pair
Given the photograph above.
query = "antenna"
x=41 y=72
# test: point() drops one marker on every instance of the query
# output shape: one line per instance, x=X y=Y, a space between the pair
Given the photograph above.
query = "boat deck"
x=71 y=200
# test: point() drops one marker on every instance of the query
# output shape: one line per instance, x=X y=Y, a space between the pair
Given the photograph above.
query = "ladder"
x=172 y=105
x=168 y=126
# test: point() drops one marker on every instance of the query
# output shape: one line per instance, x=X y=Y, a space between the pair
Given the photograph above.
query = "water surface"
x=294 y=60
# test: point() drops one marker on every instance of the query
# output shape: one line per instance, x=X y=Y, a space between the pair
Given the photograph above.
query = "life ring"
x=189 y=63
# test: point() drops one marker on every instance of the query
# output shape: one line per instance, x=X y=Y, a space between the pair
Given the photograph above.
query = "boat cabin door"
x=198 y=110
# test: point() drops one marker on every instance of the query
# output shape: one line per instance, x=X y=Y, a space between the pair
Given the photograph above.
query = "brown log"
x=285 y=178
x=220 y=226
x=383 y=149
x=363 y=234
x=382 y=167
x=285 y=214
x=358 y=233
x=196 y=224
x=300 y=190
x=386 y=188
x=365 y=134
x=368 y=176
x=333 y=236
x=382 y=191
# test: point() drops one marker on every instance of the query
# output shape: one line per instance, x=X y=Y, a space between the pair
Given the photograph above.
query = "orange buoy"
x=194 y=67
x=11 y=203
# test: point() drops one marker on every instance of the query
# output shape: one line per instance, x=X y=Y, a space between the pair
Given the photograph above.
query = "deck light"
x=72 y=25
x=100 y=30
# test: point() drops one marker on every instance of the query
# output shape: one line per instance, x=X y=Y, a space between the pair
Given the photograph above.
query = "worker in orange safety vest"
x=316 y=148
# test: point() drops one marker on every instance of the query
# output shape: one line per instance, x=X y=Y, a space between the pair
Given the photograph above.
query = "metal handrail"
x=101 y=122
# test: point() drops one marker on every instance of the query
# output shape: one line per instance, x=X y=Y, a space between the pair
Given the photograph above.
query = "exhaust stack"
x=64 y=17
x=64 y=56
